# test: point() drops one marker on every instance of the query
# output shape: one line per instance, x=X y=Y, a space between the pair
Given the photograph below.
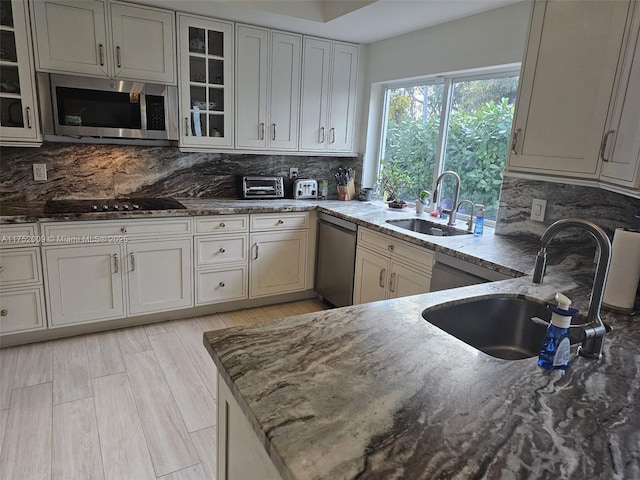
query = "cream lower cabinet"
x=21 y=291
x=113 y=269
x=159 y=276
x=84 y=283
x=280 y=254
x=241 y=455
x=389 y=268
x=221 y=258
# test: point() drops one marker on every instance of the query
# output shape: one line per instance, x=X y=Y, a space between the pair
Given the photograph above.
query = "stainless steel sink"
x=499 y=326
x=428 y=228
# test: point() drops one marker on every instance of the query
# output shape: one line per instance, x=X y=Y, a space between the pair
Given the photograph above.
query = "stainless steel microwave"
x=104 y=108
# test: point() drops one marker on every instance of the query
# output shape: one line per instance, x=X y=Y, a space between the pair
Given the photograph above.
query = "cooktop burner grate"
x=111 y=205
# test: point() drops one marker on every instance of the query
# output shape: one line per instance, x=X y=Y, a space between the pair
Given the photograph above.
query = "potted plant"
x=423 y=201
x=392 y=179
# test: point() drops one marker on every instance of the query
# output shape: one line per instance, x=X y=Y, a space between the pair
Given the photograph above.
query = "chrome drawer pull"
x=133 y=262
x=115 y=263
x=393 y=277
x=222 y=225
x=101 y=53
x=381 y=279
x=603 y=145
x=221 y=284
x=4 y=312
x=222 y=250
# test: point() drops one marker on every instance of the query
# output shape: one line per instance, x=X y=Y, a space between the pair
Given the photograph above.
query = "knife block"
x=347 y=192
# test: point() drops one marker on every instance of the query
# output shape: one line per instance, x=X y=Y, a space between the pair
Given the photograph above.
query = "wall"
x=496 y=37
x=607 y=209
x=104 y=171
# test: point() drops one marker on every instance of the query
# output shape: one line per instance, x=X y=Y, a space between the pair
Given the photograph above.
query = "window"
x=452 y=123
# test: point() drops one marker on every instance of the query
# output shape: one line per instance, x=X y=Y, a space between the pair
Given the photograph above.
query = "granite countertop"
x=375 y=391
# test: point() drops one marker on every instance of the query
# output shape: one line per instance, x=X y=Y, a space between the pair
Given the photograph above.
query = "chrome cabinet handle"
x=222 y=250
x=4 y=312
x=333 y=135
x=381 y=279
x=222 y=225
x=256 y=257
x=115 y=263
x=28 y=117
x=118 y=57
x=261 y=132
x=221 y=284
x=514 y=142
x=393 y=276
x=603 y=145
x=101 y=54
x=322 y=135
x=133 y=262
x=390 y=247
x=187 y=130
x=280 y=221
x=274 y=131
x=1 y=269
x=123 y=229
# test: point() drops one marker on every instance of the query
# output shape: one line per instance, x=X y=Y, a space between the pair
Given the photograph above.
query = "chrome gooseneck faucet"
x=470 y=221
x=452 y=212
x=594 y=329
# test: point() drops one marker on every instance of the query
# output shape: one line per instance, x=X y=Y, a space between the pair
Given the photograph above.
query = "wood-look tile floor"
x=137 y=403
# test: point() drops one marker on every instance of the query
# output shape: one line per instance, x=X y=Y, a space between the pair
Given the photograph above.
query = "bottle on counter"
x=479 y=221
x=554 y=353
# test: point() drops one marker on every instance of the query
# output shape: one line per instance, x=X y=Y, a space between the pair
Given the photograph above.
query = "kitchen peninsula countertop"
x=375 y=391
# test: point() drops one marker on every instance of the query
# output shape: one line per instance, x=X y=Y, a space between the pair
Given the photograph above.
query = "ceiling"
x=359 y=21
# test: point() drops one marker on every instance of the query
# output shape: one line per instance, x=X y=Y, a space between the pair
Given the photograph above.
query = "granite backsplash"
x=607 y=209
x=104 y=171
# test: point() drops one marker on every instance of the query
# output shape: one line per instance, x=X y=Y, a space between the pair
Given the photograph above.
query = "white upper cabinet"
x=144 y=44
x=566 y=85
x=267 y=88
x=18 y=108
x=97 y=38
x=620 y=152
x=329 y=81
x=206 y=82
x=252 y=58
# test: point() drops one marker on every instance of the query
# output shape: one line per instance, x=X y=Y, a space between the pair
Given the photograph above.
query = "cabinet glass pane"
x=198 y=97
x=216 y=99
x=6 y=14
x=8 y=47
x=9 y=79
x=216 y=72
x=11 y=112
x=216 y=43
x=197 y=70
x=216 y=125
x=196 y=40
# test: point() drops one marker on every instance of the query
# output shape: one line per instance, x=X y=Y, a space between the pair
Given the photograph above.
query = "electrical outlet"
x=293 y=173
x=538 y=208
x=40 y=172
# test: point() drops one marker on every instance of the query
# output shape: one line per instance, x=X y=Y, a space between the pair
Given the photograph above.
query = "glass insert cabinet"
x=18 y=117
x=206 y=91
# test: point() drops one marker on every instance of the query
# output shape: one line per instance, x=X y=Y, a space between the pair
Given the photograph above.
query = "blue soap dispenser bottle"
x=554 y=353
x=479 y=221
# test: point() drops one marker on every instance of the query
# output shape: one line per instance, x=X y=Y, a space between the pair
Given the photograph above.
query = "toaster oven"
x=262 y=187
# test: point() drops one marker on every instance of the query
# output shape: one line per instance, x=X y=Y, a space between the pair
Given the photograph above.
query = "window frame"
x=447 y=80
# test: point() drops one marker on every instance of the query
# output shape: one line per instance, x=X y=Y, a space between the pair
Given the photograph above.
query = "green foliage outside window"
x=476 y=144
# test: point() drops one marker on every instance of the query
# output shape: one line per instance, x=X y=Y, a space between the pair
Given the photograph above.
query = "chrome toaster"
x=305 y=188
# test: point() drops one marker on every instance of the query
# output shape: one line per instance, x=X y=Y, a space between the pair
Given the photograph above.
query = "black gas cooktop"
x=111 y=205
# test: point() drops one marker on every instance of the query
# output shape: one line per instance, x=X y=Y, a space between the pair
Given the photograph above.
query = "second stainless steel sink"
x=420 y=225
x=499 y=326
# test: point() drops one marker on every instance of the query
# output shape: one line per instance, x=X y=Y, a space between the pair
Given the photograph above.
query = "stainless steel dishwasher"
x=336 y=260
x=450 y=272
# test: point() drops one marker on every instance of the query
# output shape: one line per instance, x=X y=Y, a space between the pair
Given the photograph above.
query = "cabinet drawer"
x=21 y=310
x=111 y=231
x=222 y=224
x=19 y=267
x=18 y=234
x=221 y=285
x=395 y=248
x=212 y=250
x=279 y=221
